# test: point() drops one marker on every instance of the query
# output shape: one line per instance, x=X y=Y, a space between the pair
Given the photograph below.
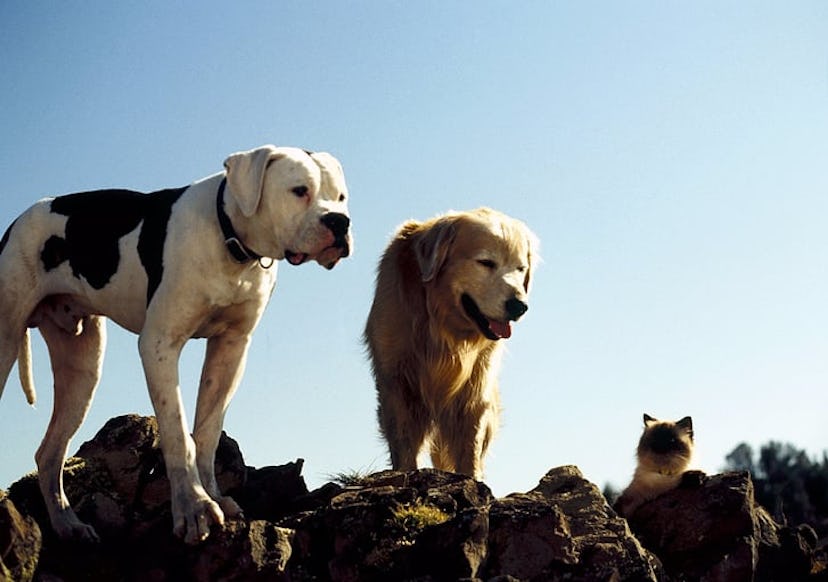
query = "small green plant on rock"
x=350 y=478
x=412 y=518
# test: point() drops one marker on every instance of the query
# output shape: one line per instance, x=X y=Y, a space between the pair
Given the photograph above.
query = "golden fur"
x=447 y=290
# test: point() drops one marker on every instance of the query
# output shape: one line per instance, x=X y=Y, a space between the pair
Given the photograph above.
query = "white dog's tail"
x=24 y=368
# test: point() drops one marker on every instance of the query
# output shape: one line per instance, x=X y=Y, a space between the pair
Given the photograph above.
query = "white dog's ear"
x=432 y=248
x=245 y=176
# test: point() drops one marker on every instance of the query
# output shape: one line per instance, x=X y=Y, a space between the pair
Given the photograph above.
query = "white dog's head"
x=287 y=203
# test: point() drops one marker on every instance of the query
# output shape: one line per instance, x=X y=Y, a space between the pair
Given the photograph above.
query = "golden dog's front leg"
x=223 y=369
x=404 y=420
x=454 y=447
x=193 y=510
x=463 y=434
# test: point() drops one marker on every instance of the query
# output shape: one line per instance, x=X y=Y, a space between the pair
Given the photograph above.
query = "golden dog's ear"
x=245 y=176
x=527 y=279
x=432 y=248
x=532 y=257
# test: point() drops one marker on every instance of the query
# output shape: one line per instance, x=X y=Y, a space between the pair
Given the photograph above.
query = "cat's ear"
x=686 y=424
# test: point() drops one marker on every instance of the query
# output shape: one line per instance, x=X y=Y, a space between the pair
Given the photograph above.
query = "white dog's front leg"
x=223 y=368
x=193 y=510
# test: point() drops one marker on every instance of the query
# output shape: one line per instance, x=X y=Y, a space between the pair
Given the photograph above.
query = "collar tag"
x=236 y=249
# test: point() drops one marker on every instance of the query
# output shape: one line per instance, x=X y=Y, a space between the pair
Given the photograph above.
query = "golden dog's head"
x=477 y=268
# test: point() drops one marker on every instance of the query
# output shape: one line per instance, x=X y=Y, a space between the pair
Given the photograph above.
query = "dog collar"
x=237 y=248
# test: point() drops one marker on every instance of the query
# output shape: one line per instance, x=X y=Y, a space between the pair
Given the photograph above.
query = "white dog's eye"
x=488 y=263
x=300 y=191
x=342 y=197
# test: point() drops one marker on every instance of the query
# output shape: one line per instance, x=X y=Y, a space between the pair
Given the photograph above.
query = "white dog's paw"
x=192 y=520
x=230 y=508
x=68 y=527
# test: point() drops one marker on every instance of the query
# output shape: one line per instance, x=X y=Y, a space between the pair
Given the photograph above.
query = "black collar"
x=237 y=248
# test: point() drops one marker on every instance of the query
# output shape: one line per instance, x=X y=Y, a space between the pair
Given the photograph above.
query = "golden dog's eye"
x=488 y=263
x=521 y=269
x=300 y=191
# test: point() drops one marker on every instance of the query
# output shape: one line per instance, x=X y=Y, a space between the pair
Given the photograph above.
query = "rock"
x=20 y=543
x=422 y=525
x=564 y=529
x=271 y=547
x=395 y=526
x=117 y=483
x=240 y=552
x=714 y=530
x=126 y=450
x=528 y=538
x=561 y=530
x=460 y=546
x=270 y=492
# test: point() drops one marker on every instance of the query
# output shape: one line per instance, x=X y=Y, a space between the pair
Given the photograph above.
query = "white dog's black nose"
x=515 y=308
x=337 y=222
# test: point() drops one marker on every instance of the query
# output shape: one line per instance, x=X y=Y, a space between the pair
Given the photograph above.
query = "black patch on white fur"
x=154 y=235
x=53 y=253
x=97 y=221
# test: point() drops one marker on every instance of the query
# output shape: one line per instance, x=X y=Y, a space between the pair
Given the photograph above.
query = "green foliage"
x=787 y=482
x=611 y=494
x=350 y=478
x=412 y=518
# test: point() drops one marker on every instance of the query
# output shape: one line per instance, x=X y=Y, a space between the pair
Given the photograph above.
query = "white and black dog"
x=192 y=262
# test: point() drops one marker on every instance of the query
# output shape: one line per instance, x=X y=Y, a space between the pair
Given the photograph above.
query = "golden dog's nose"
x=515 y=308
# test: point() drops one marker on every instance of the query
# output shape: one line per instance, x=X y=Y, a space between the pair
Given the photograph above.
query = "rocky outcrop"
x=420 y=525
x=20 y=542
x=713 y=529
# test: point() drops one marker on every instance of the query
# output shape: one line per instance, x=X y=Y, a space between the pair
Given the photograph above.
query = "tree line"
x=792 y=486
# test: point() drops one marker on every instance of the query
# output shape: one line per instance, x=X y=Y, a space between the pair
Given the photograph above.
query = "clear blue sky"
x=671 y=156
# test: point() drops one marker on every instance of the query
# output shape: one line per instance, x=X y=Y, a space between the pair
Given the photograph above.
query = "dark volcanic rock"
x=420 y=525
x=714 y=530
x=564 y=529
x=20 y=543
x=395 y=526
x=272 y=492
x=117 y=483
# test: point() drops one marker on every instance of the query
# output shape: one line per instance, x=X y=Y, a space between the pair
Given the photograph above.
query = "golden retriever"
x=447 y=291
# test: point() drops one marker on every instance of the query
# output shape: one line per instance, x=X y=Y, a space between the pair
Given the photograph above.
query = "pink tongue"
x=500 y=329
